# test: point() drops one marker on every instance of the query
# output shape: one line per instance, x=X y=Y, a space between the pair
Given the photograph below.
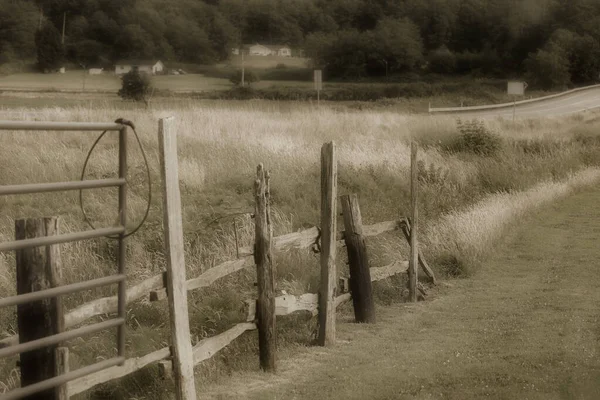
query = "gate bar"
x=59 y=186
x=61 y=379
x=122 y=297
x=67 y=237
x=61 y=290
x=58 y=126
x=60 y=337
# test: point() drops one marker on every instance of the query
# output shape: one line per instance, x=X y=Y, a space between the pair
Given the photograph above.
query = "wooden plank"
x=327 y=288
x=341 y=299
x=39 y=268
x=414 y=250
x=395 y=268
x=208 y=277
x=379 y=228
x=405 y=228
x=377 y=273
x=62 y=367
x=360 y=275
x=183 y=362
x=131 y=365
x=306 y=238
x=207 y=348
x=105 y=305
x=265 y=307
x=288 y=304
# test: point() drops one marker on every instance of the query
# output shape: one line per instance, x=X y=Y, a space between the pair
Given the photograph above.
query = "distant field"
x=268 y=61
x=74 y=80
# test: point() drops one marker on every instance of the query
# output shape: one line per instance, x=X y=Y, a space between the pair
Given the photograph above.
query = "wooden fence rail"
x=155 y=285
x=179 y=358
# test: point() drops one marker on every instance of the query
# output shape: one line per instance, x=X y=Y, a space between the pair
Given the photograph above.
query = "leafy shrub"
x=135 y=86
x=476 y=138
x=548 y=69
x=249 y=77
x=442 y=61
x=431 y=174
x=281 y=66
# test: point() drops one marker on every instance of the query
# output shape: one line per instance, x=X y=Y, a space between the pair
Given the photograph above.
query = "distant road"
x=568 y=104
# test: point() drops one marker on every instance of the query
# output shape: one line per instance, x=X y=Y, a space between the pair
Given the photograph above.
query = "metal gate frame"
x=119 y=278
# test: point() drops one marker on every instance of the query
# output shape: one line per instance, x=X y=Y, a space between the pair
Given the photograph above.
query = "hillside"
x=556 y=42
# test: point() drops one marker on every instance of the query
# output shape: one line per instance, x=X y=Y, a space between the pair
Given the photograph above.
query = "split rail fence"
x=179 y=359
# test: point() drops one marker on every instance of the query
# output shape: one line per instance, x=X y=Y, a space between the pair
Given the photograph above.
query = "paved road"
x=569 y=104
x=526 y=326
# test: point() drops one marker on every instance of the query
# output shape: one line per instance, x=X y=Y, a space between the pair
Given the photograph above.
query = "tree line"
x=552 y=42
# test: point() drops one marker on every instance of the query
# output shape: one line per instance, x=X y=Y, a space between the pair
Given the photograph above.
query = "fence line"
x=173 y=281
x=155 y=285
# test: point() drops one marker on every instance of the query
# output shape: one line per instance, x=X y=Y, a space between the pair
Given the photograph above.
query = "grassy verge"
x=220 y=146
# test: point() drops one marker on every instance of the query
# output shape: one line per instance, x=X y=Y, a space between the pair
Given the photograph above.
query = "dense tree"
x=348 y=37
x=50 y=52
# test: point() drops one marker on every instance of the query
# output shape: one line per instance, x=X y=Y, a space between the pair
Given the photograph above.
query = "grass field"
x=268 y=61
x=220 y=145
x=525 y=326
x=74 y=81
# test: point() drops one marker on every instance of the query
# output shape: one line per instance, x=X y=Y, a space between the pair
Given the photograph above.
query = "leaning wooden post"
x=414 y=250
x=327 y=291
x=360 y=275
x=183 y=363
x=265 y=305
x=39 y=268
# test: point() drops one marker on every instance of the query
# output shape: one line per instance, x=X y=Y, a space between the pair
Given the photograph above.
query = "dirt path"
x=526 y=326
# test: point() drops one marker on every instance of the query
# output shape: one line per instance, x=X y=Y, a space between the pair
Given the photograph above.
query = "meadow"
x=472 y=177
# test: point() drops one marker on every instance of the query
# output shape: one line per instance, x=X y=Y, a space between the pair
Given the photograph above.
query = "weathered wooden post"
x=406 y=229
x=265 y=305
x=39 y=268
x=414 y=250
x=327 y=291
x=183 y=362
x=360 y=275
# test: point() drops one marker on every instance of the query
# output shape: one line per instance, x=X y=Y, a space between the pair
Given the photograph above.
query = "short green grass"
x=220 y=145
x=525 y=326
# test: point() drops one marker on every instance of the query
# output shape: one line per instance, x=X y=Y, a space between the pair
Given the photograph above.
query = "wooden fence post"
x=265 y=305
x=183 y=363
x=414 y=250
x=405 y=227
x=327 y=291
x=360 y=275
x=39 y=268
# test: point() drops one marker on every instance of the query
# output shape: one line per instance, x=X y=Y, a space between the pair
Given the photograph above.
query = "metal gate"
x=119 y=278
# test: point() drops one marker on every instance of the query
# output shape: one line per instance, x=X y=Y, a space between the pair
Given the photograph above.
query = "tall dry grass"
x=466 y=201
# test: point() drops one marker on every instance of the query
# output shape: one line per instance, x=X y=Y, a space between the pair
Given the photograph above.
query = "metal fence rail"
x=119 y=278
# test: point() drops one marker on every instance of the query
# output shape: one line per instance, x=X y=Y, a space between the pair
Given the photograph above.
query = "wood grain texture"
x=131 y=365
x=265 y=307
x=39 y=268
x=207 y=348
x=183 y=363
x=327 y=289
x=360 y=275
x=414 y=249
x=405 y=228
x=208 y=277
x=395 y=268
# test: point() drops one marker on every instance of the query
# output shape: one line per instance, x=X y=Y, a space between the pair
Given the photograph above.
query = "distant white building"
x=265 y=50
x=95 y=71
x=151 y=67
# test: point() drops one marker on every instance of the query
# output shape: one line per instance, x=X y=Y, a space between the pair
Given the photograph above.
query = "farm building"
x=96 y=71
x=152 y=67
x=265 y=50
